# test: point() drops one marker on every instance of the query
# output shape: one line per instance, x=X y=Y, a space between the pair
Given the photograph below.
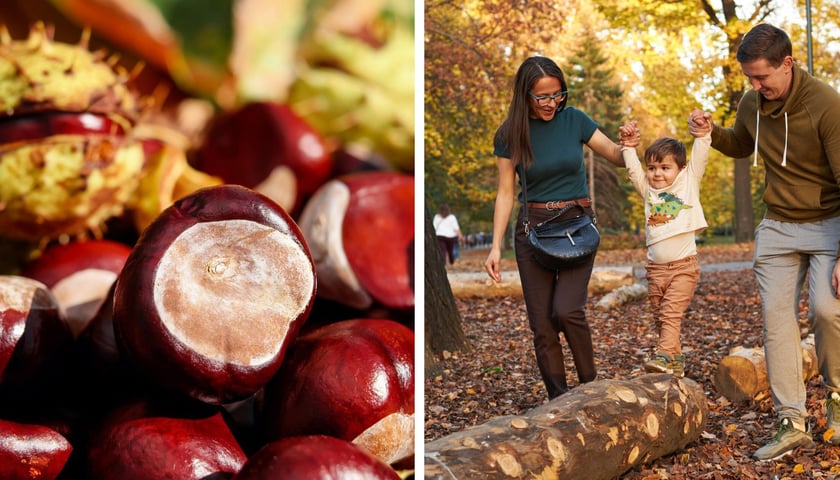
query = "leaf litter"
x=500 y=377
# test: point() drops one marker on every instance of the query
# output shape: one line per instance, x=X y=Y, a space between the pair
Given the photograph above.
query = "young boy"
x=671 y=190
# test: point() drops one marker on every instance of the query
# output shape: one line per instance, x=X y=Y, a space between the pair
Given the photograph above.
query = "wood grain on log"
x=742 y=374
x=598 y=430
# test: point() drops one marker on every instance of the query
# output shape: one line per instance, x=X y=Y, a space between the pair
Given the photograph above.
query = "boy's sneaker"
x=832 y=413
x=662 y=363
x=785 y=441
x=677 y=366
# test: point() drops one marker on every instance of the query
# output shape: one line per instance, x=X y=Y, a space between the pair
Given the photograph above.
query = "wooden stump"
x=599 y=430
x=742 y=374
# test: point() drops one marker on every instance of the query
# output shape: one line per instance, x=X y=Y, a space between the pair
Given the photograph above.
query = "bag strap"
x=525 y=220
x=561 y=212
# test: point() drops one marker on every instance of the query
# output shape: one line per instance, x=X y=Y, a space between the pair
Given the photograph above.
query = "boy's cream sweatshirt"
x=675 y=210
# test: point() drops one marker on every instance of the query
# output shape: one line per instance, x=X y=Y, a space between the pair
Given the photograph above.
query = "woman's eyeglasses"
x=543 y=100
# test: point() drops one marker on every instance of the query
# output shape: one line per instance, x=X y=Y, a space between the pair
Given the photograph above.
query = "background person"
x=544 y=138
x=448 y=232
x=792 y=121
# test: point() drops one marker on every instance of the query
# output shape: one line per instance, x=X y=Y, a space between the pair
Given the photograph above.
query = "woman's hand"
x=493 y=264
x=607 y=148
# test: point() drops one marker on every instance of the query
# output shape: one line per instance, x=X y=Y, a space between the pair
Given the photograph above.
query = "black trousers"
x=447 y=248
x=555 y=303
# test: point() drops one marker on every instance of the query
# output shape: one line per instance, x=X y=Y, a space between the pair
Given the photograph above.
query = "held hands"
x=699 y=123
x=629 y=135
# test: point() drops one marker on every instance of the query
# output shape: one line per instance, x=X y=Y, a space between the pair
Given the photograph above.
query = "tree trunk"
x=442 y=321
x=731 y=24
x=742 y=375
x=599 y=430
x=431 y=362
x=744 y=216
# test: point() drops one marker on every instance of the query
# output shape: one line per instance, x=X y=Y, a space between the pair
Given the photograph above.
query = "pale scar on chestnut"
x=246 y=282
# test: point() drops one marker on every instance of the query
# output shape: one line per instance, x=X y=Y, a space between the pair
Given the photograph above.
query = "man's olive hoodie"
x=799 y=141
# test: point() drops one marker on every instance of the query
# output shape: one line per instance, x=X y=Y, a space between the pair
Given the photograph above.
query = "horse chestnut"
x=213 y=293
x=352 y=379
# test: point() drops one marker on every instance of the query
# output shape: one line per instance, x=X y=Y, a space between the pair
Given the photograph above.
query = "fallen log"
x=607 y=279
x=478 y=284
x=599 y=430
x=622 y=295
x=742 y=375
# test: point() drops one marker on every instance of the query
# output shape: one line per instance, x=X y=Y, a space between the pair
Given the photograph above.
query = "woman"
x=448 y=232
x=545 y=139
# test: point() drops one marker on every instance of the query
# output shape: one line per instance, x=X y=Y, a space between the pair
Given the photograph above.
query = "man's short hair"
x=767 y=42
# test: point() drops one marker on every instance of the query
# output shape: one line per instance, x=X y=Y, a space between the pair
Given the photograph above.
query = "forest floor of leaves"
x=499 y=376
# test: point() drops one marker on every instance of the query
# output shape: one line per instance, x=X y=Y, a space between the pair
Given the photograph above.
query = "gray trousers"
x=785 y=255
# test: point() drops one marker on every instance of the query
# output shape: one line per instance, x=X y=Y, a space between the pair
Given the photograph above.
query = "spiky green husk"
x=361 y=94
x=41 y=75
x=68 y=184
x=65 y=185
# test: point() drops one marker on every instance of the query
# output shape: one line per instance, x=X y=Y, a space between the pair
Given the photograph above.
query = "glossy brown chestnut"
x=46 y=124
x=79 y=274
x=360 y=229
x=314 y=457
x=269 y=148
x=352 y=379
x=31 y=452
x=102 y=373
x=34 y=339
x=213 y=294
x=164 y=447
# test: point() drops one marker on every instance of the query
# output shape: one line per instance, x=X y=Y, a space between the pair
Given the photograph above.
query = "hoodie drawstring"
x=755 y=149
x=784 y=155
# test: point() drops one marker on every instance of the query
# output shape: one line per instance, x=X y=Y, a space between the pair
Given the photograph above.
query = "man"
x=792 y=121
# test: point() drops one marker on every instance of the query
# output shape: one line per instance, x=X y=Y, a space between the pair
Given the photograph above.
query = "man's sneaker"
x=832 y=413
x=785 y=441
x=662 y=363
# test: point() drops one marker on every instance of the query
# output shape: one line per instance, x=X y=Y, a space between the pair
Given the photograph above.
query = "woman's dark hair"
x=767 y=42
x=664 y=146
x=443 y=210
x=514 y=132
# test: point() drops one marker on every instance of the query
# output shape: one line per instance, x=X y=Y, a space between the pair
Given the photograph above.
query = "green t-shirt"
x=558 y=171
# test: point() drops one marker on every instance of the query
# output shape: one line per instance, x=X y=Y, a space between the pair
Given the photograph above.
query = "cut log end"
x=742 y=375
x=739 y=378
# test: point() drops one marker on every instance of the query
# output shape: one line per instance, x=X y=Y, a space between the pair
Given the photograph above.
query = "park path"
x=604 y=279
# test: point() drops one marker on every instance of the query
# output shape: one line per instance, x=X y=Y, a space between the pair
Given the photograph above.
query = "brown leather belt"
x=557 y=205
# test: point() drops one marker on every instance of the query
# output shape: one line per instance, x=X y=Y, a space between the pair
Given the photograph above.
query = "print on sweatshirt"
x=665 y=209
